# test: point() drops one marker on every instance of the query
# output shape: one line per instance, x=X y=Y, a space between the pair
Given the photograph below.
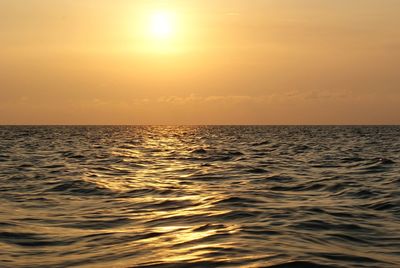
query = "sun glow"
x=162 y=24
x=160 y=31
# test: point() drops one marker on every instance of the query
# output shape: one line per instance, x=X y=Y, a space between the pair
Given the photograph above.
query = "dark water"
x=200 y=196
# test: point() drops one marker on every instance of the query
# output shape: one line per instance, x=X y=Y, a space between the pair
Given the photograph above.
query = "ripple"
x=300 y=264
x=80 y=187
x=199 y=151
x=237 y=200
x=31 y=240
x=99 y=224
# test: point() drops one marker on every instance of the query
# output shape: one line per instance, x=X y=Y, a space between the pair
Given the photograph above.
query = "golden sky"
x=200 y=62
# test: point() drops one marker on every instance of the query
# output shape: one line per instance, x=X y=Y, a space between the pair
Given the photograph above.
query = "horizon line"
x=197 y=125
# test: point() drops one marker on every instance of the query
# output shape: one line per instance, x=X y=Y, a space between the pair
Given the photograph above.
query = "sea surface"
x=158 y=196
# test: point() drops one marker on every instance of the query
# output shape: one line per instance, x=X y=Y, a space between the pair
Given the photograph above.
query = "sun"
x=161 y=24
x=160 y=31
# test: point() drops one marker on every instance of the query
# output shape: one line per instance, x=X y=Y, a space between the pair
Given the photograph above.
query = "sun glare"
x=161 y=24
x=160 y=31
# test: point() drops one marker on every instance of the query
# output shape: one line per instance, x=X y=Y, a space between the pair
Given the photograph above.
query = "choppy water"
x=200 y=196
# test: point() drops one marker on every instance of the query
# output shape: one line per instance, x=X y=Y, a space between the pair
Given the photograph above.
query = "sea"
x=199 y=196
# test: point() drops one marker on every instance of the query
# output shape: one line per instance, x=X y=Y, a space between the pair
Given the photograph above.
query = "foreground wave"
x=200 y=197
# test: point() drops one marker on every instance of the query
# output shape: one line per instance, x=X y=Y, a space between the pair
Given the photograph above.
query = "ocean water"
x=158 y=196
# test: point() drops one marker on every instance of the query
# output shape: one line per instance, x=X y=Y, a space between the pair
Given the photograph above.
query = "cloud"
x=232 y=99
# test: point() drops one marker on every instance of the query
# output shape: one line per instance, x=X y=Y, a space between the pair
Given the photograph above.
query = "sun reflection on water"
x=160 y=165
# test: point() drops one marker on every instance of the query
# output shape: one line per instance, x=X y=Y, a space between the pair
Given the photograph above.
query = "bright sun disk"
x=161 y=24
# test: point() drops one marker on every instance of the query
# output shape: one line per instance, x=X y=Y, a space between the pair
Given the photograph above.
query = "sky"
x=273 y=62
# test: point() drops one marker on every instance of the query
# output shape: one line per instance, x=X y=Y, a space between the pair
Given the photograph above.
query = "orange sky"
x=223 y=62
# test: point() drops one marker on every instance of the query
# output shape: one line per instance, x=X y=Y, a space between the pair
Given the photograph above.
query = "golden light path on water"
x=185 y=238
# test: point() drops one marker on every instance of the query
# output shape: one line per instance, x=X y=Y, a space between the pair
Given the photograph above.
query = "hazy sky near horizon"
x=220 y=62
